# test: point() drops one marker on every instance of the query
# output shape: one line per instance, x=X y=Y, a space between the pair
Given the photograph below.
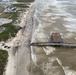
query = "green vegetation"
x=21 y=5
x=14 y=17
x=3 y=61
x=10 y=31
x=25 y=0
x=4 y=15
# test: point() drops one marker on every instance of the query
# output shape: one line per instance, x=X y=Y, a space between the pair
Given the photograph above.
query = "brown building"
x=56 y=38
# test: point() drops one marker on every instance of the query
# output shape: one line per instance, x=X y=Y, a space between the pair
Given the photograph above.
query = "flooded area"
x=57 y=16
x=38 y=22
x=13 y=9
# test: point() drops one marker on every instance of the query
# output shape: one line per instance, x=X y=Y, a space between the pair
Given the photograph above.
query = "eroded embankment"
x=23 y=57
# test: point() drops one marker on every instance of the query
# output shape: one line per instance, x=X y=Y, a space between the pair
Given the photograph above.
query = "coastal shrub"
x=3 y=60
x=25 y=0
x=9 y=32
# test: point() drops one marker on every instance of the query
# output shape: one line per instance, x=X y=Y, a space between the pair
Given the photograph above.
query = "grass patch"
x=4 y=15
x=10 y=28
x=25 y=0
x=9 y=32
x=21 y=5
x=3 y=60
x=14 y=16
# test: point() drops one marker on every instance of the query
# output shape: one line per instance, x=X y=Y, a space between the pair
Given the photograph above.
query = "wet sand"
x=23 y=55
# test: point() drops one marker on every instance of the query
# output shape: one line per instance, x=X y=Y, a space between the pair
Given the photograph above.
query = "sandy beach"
x=16 y=46
x=5 y=21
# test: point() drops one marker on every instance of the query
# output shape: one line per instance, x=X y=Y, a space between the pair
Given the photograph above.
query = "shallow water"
x=55 y=16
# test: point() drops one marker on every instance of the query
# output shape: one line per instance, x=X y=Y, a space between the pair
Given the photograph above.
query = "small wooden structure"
x=56 y=38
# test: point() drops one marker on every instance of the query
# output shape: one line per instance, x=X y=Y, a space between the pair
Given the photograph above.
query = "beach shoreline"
x=16 y=42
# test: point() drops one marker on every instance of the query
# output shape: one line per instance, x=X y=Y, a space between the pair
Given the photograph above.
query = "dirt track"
x=23 y=54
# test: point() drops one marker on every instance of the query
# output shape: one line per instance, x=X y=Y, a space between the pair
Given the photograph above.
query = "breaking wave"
x=54 y=16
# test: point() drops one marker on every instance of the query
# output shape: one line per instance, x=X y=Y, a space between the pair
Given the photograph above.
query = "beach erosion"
x=20 y=49
x=39 y=21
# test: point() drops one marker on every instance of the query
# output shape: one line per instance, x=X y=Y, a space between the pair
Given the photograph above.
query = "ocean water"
x=55 y=16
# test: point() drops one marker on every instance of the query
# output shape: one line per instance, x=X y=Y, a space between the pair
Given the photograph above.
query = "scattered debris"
x=10 y=10
x=2 y=29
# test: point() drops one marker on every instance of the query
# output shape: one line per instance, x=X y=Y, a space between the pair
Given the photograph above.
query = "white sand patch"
x=48 y=50
x=22 y=24
x=12 y=42
x=10 y=68
x=24 y=17
x=5 y=21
